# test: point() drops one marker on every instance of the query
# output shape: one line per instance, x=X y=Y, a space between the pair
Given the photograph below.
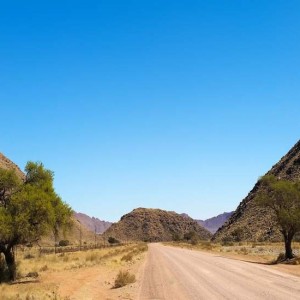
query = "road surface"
x=179 y=274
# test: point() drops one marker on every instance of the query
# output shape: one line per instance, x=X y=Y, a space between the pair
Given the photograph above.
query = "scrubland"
x=88 y=274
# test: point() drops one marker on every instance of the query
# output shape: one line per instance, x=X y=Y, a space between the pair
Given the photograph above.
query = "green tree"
x=283 y=198
x=29 y=208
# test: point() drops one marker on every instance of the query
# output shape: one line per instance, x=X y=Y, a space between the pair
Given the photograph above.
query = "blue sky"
x=179 y=105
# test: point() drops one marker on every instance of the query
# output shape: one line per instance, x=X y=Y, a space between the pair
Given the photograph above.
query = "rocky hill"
x=153 y=225
x=250 y=222
x=93 y=224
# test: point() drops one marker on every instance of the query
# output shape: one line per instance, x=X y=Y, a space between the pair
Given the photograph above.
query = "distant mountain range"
x=93 y=224
x=214 y=223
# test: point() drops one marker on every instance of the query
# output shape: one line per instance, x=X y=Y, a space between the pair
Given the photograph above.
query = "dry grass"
x=124 y=278
x=43 y=287
x=263 y=252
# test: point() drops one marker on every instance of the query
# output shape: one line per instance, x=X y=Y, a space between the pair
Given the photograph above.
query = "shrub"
x=124 y=278
x=127 y=257
x=32 y=274
x=113 y=240
x=227 y=241
x=64 y=243
x=176 y=237
x=280 y=258
x=28 y=256
x=206 y=245
x=244 y=251
x=189 y=235
x=194 y=240
x=44 y=268
x=237 y=234
x=92 y=257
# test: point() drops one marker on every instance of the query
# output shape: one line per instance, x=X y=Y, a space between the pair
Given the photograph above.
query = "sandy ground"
x=86 y=282
x=174 y=273
x=93 y=283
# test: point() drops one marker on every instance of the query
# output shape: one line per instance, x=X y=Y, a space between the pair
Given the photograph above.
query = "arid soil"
x=174 y=273
x=77 y=276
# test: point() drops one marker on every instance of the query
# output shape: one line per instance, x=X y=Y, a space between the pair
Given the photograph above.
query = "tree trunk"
x=11 y=263
x=288 y=246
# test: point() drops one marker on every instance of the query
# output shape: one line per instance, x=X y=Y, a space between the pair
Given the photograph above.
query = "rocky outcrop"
x=253 y=223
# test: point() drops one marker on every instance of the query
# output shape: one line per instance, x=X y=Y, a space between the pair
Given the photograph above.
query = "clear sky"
x=179 y=105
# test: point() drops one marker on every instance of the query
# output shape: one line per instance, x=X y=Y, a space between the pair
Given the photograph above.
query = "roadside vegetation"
x=282 y=197
x=124 y=278
x=29 y=208
x=262 y=252
x=48 y=276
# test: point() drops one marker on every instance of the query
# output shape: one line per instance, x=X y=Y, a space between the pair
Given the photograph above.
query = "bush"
x=194 y=240
x=92 y=257
x=176 y=237
x=227 y=241
x=237 y=234
x=64 y=243
x=124 y=278
x=189 y=235
x=206 y=245
x=280 y=258
x=244 y=251
x=127 y=257
x=28 y=256
x=113 y=240
x=44 y=268
x=32 y=274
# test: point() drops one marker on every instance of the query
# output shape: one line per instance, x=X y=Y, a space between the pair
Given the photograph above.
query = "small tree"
x=28 y=209
x=283 y=198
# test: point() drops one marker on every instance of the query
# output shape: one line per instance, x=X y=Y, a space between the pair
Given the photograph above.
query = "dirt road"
x=180 y=274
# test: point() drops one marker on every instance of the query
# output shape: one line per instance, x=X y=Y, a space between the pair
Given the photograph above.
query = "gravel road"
x=178 y=274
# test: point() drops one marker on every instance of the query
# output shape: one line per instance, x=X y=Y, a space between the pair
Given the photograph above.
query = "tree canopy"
x=29 y=208
x=283 y=198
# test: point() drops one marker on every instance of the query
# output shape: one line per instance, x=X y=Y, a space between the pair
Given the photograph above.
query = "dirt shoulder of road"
x=81 y=275
x=262 y=253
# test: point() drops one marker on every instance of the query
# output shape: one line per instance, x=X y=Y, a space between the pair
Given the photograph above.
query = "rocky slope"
x=6 y=163
x=250 y=222
x=93 y=224
x=153 y=225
